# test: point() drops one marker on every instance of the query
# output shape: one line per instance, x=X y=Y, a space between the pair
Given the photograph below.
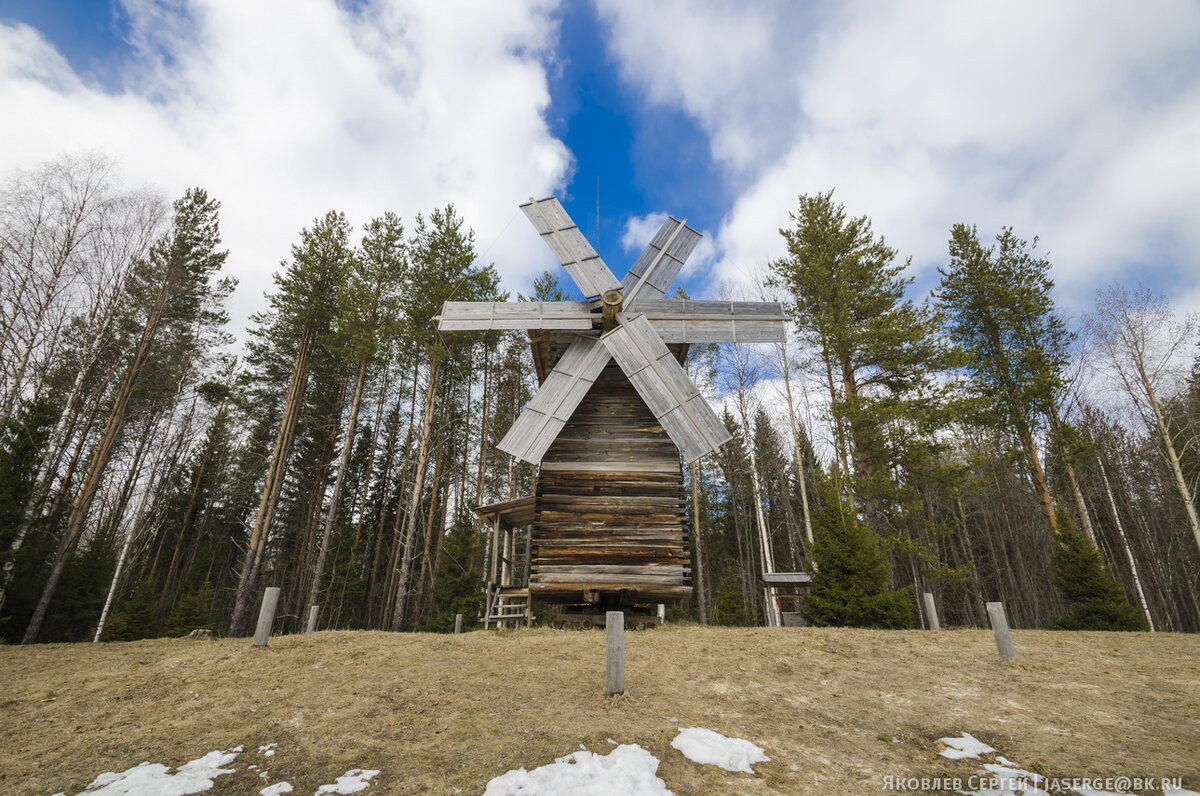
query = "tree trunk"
x=1133 y=570
x=798 y=454
x=410 y=534
x=1164 y=433
x=429 y=550
x=339 y=485
x=272 y=486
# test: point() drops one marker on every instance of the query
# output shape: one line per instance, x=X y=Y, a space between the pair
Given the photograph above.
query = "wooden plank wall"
x=610 y=512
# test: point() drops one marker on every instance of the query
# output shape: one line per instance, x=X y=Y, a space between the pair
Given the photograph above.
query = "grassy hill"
x=444 y=714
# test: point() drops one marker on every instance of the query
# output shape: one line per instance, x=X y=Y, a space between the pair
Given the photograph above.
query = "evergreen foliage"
x=192 y=612
x=137 y=618
x=851 y=585
x=457 y=580
x=1095 y=601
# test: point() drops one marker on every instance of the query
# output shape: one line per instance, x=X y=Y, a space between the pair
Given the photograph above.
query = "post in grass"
x=614 y=653
x=312 y=619
x=931 y=612
x=1004 y=642
x=266 y=616
x=457 y=624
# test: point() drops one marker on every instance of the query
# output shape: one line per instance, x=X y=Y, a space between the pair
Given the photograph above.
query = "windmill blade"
x=472 y=315
x=665 y=387
x=659 y=263
x=687 y=321
x=572 y=249
x=544 y=416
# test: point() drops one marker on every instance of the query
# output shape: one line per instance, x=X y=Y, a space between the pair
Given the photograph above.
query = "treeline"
x=151 y=483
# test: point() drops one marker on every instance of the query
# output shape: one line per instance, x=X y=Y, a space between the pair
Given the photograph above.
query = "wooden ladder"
x=508 y=607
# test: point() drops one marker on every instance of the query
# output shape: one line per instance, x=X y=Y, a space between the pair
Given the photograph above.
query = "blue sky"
x=1074 y=121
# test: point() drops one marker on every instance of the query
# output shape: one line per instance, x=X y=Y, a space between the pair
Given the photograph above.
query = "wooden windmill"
x=613 y=415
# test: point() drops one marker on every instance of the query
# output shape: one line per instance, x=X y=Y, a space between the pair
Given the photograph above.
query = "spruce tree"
x=1095 y=600
x=137 y=618
x=456 y=586
x=850 y=587
x=193 y=612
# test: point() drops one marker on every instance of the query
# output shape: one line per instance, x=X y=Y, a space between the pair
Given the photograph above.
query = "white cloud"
x=284 y=110
x=1073 y=121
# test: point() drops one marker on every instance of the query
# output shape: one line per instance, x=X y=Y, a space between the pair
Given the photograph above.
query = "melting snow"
x=276 y=789
x=713 y=748
x=628 y=770
x=1009 y=779
x=155 y=779
x=966 y=745
x=352 y=781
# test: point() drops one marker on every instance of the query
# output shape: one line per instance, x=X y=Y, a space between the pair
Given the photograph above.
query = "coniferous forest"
x=978 y=442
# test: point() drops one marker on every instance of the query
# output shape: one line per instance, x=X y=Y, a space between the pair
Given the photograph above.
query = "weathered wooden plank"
x=713 y=331
x=683 y=309
x=659 y=263
x=475 y=315
x=612 y=569
x=570 y=246
x=665 y=387
x=543 y=417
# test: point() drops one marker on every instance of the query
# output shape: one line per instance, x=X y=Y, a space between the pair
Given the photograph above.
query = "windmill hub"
x=610 y=306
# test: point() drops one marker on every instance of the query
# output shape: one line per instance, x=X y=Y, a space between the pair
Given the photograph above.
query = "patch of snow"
x=628 y=770
x=268 y=750
x=964 y=746
x=793 y=767
x=276 y=789
x=1172 y=791
x=712 y=748
x=352 y=781
x=673 y=720
x=155 y=779
x=610 y=741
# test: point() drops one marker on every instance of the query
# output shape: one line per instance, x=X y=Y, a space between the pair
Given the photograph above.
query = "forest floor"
x=445 y=714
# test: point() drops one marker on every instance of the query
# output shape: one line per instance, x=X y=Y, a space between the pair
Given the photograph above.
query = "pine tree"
x=850 y=587
x=878 y=349
x=302 y=312
x=1095 y=600
x=1000 y=311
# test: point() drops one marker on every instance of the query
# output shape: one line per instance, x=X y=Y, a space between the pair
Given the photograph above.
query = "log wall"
x=610 y=512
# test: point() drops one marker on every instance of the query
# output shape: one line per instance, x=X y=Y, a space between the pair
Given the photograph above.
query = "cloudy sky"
x=1078 y=122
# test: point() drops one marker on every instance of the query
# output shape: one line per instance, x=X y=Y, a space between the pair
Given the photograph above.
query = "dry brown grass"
x=444 y=714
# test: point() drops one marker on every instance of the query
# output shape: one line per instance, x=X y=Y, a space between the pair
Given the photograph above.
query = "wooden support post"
x=266 y=616
x=457 y=624
x=1004 y=643
x=312 y=619
x=494 y=553
x=931 y=616
x=614 y=653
